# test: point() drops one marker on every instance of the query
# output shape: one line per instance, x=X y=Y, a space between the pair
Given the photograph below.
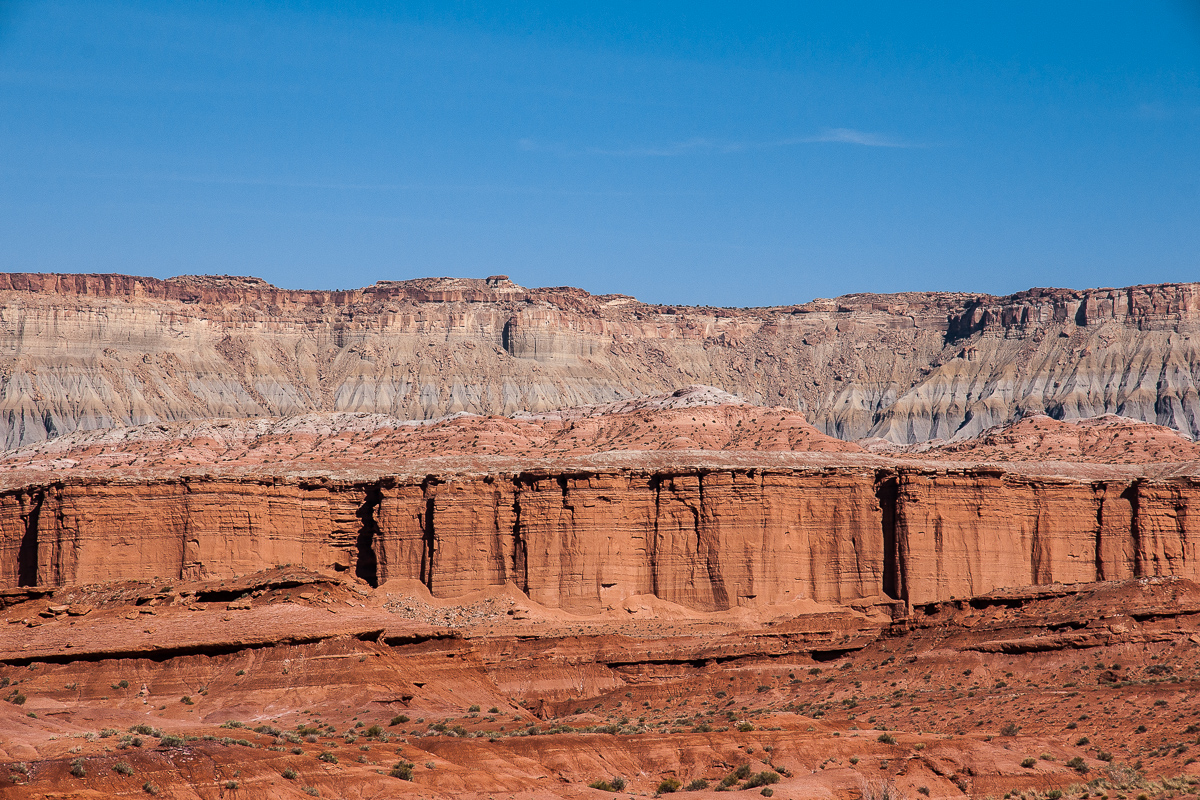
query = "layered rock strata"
x=583 y=540
x=95 y=351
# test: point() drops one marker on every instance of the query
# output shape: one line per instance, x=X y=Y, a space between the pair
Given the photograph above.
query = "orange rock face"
x=708 y=539
x=962 y=535
x=586 y=542
x=90 y=532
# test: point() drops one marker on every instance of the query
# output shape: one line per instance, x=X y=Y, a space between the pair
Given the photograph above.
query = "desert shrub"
x=268 y=730
x=1028 y=763
x=311 y=790
x=1010 y=729
x=18 y=699
x=402 y=770
x=231 y=784
x=150 y=788
x=170 y=741
x=745 y=727
x=473 y=710
x=1104 y=755
x=290 y=774
x=1054 y=794
x=186 y=700
x=923 y=790
x=399 y=719
x=738 y=774
x=233 y=723
x=1079 y=765
x=764 y=778
x=887 y=738
x=374 y=731
x=668 y=786
x=122 y=768
x=328 y=757
x=78 y=769
x=146 y=730
x=696 y=785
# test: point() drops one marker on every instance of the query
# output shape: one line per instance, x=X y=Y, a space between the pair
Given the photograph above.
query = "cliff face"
x=583 y=541
x=93 y=351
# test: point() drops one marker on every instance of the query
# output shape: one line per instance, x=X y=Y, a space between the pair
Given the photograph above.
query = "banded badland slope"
x=96 y=351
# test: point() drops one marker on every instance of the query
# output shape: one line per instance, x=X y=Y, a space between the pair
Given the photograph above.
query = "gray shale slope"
x=94 y=351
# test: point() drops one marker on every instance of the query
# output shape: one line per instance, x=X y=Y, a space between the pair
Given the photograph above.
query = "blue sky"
x=720 y=154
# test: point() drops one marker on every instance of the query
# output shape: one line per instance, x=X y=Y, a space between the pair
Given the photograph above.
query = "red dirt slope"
x=697 y=418
x=1107 y=439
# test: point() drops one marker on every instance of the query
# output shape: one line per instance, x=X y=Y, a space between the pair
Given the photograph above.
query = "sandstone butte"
x=881 y=546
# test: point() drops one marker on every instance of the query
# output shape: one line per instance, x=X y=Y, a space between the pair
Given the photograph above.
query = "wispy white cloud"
x=851 y=136
x=700 y=145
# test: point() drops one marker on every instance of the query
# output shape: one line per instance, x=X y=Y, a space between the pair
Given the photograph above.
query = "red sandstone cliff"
x=583 y=540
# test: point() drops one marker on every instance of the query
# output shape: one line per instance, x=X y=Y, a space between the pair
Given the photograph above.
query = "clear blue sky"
x=723 y=154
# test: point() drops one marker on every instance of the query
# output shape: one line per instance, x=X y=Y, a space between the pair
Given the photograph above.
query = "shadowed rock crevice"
x=429 y=543
x=366 y=565
x=1136 y=567
x=887 y=490
x=27 y=555
x=520 y=565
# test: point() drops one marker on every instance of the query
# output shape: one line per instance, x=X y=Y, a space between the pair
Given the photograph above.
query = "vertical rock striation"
x=707 y=539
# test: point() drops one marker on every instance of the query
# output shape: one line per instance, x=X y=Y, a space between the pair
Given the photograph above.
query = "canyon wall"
x=94 y=351
x=584 y=541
